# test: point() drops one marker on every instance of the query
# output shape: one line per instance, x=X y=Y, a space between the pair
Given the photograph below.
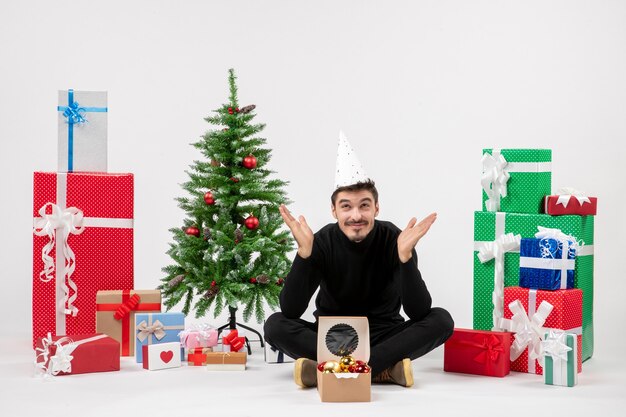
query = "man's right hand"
x=300 y=231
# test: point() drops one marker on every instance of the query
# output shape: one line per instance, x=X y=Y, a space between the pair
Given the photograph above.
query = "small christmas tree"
x=232 y=249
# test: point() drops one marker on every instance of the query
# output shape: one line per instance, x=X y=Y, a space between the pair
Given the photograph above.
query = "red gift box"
x=566 y=314
x=478 y=352
x=77 y=354
x=558 y=205
x=82 y=243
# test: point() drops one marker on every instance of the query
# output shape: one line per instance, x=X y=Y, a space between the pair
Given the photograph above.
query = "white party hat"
x=348 y=169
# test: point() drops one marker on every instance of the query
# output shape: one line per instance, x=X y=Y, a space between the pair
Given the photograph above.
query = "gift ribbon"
x=565 y=194
x=145 y=330
x=496 y=250
x=494 y=178
x=197 y=356
x=61 y=361
x=125 y=319
x=527 y=328
x=489 y=349
x=67 y=219
x=557 y=353
x=74 y=114
x=61 y=222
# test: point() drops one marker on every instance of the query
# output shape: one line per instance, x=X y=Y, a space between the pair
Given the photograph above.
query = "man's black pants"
x=389 y=342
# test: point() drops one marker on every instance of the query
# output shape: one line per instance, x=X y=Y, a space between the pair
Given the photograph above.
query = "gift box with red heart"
x=161 y=356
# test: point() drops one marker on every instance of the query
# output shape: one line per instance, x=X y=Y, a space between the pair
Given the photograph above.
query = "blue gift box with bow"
x=547 y=264
x=156 y=328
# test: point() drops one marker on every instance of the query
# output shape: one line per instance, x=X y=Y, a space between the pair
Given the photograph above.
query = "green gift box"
x=516 y=180
x=489 y=226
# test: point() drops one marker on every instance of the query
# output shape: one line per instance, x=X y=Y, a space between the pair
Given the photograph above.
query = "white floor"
x=268 y=390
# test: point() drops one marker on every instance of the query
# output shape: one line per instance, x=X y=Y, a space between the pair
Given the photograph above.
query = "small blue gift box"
x=156 y=328
x=547 y=264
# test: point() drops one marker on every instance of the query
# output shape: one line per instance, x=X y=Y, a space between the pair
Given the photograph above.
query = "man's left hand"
x=413 y=232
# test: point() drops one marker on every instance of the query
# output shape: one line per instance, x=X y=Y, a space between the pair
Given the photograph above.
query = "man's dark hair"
x=359 y=186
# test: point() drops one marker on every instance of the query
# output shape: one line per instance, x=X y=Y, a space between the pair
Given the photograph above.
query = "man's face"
x=355 y=213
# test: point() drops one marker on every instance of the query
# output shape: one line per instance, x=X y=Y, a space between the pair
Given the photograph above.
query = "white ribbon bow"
x=494 y=179
x=565 y=194
x=66 y=221
x=61 y=361
x=528 y=331
x=202 y=333
x=566 y=242
x=496 y=250
x=145 y=330
x=555 y=345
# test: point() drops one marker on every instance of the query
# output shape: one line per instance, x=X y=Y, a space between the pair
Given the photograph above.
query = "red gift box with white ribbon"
x=82 y=243
x=530 y=314
x=77 y=354
x=570 y=201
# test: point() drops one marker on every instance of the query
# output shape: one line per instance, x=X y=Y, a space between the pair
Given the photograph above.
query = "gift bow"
x=567 y=243
x=555 y=345
x=565 y=194
x=61 y=361
x=145 y=330
x=490 y=348
x=74 y=114
x=528 y=331
x=496 y=250
x=202 y=332
x=67 y=221
x=125 y=308
x=494 y=179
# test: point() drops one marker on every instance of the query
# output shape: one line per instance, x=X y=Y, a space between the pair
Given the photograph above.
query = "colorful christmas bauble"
x=251 y=222
x=253 y=280
x=249 y=162
x=208 y=198
x=213 y=283
x=233 y=179
x=320 y=367
x=192 y=231
x=280 y=281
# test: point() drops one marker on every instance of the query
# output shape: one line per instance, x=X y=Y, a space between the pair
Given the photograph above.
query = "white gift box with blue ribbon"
x=82 y=121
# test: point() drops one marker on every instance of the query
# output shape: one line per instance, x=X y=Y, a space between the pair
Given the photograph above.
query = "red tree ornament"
x=280 y=281
x=253 y=280
x=234 y=179
x=208 y=198
x=251 y=222
x=249 y=162
x=192 y=231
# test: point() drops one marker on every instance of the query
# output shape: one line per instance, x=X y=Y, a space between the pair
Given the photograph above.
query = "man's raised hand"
x=413 y=232
x=300 y=231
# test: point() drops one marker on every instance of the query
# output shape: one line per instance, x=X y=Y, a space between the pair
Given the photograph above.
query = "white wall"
x=420 y=87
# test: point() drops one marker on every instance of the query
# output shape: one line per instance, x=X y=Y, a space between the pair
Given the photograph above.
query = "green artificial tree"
x=232 y=250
